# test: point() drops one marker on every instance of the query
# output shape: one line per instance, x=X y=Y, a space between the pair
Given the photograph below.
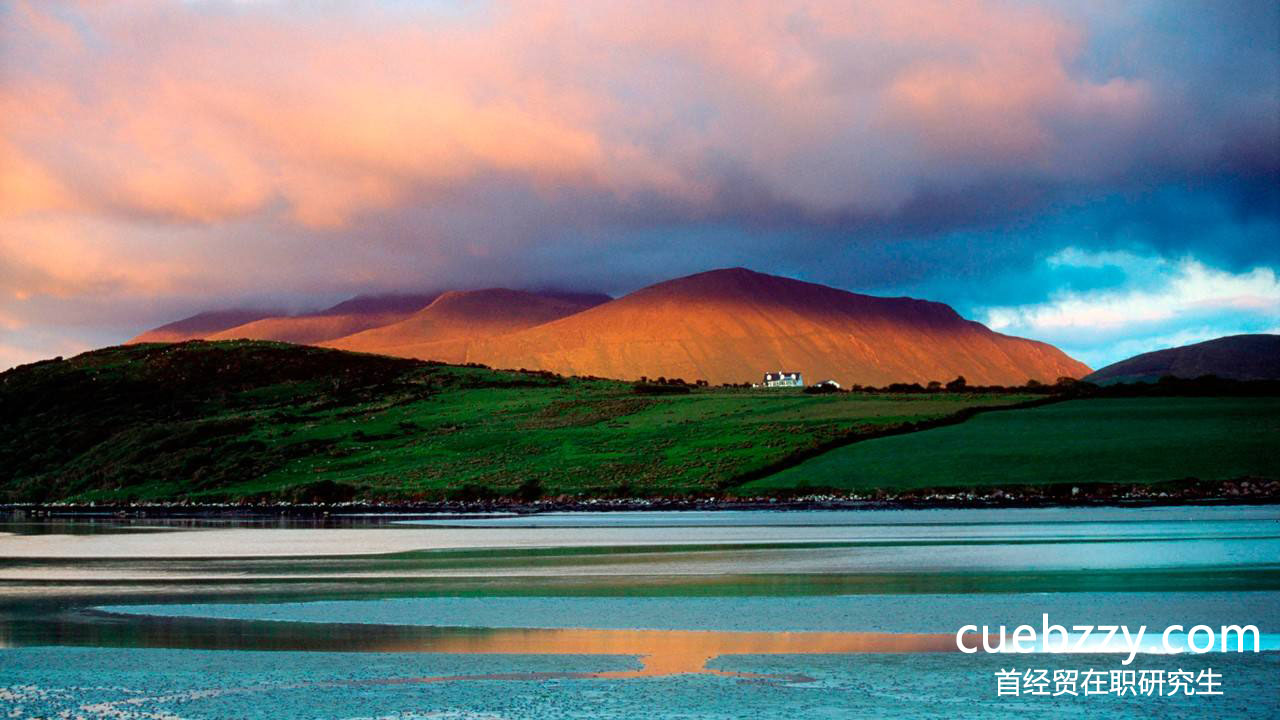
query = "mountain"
x=446 y=329
x=724 y=326
x=374 y=304
x=351 y=316
x=200 y=325
x=733 y=325
x=1236 y=357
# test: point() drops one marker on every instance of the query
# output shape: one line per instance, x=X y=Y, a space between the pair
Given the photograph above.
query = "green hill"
x=230 y=421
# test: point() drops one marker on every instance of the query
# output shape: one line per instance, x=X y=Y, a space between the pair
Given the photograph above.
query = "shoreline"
x=1245 y=491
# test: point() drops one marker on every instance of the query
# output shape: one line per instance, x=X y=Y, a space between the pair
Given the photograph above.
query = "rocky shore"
x=1242 y=491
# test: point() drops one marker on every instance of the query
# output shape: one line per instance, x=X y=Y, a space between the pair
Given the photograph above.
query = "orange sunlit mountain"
x=447 y=329
x=201 y=325
x=352 y=316
x=723 y=326
x=733 y=325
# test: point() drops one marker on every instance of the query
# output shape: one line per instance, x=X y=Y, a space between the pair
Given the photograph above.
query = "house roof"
x=780 y=375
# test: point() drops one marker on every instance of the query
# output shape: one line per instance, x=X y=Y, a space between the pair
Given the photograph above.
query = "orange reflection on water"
x=671 y=652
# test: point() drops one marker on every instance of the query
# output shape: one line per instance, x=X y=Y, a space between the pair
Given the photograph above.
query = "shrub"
x=659 y=389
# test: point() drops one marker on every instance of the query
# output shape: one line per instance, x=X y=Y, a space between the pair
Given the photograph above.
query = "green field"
x=1096 y=440
x=250 y=420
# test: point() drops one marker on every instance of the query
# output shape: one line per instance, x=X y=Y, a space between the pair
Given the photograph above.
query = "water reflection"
x=661 y=652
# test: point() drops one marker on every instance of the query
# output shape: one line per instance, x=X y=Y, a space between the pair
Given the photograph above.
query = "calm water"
x=619 y=615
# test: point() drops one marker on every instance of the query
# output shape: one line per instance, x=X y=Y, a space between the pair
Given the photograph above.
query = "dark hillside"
x=1236 y=357
x=148 y=413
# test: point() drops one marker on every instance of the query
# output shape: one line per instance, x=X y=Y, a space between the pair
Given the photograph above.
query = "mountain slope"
x=1236 y=357
x=446 y=329
x=200 y=325
x=351 y=316
x=733 y=325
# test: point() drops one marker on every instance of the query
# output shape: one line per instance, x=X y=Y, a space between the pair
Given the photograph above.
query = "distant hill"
x=202 y=324
x=446 y=329
x=733 y=325
x=351 y=316
x=1236 y=357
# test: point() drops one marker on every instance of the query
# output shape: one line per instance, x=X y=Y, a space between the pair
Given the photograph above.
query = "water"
x=619 y=615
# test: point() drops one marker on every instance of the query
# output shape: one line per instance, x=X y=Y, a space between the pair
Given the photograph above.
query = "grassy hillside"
x=249 y=420
x=1097 y=440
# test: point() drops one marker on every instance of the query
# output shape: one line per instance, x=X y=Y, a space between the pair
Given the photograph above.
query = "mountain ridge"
x=734 y=324
x=196 y=326
x=446 y=329
x=1234 y=357
x=728 y=325
x=349 y=316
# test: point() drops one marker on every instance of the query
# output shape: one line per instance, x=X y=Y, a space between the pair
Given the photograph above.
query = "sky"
x=1103 y=176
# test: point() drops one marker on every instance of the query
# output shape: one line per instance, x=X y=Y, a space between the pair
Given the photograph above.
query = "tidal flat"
x=613 y=615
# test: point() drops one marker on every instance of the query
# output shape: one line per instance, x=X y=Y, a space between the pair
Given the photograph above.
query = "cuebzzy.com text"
x=1105 y=638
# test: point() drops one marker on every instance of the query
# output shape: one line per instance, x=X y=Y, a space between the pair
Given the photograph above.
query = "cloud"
x=200 y=113
x=1172 y=289
x=158 y=156
x=32 y=351
x=203 y=115
x=1161 y=302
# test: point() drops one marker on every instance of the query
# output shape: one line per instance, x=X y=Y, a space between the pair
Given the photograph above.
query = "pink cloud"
x=203 y=112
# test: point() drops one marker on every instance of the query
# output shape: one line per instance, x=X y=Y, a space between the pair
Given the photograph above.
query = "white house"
x=783 y=379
